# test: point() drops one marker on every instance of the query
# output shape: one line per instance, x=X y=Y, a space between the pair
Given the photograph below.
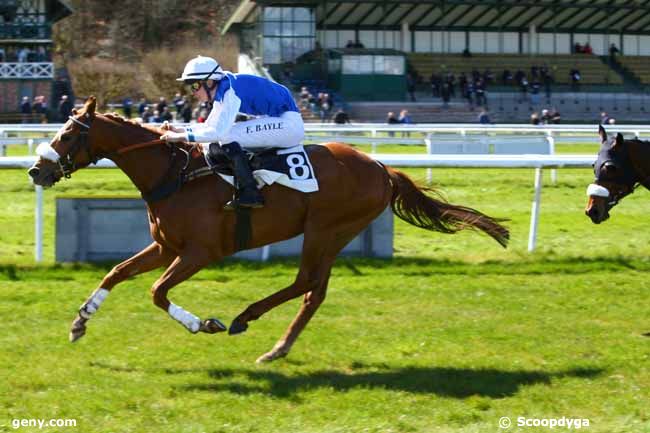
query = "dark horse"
x=190 y=229
x=622 y=166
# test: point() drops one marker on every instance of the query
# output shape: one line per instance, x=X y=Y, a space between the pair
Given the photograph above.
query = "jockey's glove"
x=173 y=137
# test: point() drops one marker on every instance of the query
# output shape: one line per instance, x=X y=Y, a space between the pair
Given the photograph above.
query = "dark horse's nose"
x=33 y=172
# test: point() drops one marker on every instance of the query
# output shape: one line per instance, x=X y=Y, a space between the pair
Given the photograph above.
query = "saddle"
x=290 y=167
x=264 y=159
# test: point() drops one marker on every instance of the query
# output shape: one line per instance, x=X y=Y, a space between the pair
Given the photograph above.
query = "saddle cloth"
x=290 y=167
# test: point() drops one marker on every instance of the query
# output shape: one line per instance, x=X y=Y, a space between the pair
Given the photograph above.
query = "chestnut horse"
x=621 y=167
x=191 y=230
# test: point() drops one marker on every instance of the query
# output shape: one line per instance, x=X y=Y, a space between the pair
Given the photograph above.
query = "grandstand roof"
x=565 y=16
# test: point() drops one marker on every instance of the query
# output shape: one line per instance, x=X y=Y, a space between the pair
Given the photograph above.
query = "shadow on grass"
x=445 y=382
x=410 y=266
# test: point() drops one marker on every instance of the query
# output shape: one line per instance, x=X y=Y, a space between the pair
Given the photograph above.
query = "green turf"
x=451 y=335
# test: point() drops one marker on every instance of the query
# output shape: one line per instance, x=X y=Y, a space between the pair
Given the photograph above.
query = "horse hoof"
x=237 y=328
x=78 y=329
x=271 y=356
x=212 y=326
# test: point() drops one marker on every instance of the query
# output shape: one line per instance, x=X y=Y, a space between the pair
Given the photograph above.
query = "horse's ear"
x=91 y=104
x=619 y=142
x=75 y=112
x=602 y=133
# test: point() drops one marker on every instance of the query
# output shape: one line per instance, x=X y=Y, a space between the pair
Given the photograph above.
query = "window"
x=288 y=33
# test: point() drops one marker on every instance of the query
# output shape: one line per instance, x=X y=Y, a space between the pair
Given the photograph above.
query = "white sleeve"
x=221 y=118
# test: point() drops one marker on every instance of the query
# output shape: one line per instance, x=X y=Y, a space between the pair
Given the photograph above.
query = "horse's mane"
x=121 y=120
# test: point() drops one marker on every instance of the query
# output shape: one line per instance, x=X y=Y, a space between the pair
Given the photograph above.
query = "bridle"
x=67 y=163
x=629 y=179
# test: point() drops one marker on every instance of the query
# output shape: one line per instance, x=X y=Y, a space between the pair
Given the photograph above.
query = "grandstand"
x=592 y=69
x=638 y=66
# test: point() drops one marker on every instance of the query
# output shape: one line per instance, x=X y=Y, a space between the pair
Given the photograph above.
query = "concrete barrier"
x=113 y=228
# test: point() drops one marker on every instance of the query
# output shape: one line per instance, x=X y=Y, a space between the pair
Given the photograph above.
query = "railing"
x=27 y=70
x=460 y=161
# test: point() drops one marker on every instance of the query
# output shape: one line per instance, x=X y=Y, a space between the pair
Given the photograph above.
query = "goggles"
x=195 y=86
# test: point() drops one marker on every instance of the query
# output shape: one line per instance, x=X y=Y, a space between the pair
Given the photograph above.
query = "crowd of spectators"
x=472 y=87
x=321 y=104
x=547 y=117
x=24 y=53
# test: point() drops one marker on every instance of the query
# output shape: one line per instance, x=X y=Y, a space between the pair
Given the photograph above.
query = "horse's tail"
x=410 y=203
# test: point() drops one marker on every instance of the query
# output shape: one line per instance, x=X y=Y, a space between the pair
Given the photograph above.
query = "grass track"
x=449 y=337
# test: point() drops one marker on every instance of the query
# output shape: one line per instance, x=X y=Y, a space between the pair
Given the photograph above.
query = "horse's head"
x=70 y=150
x=615 y=177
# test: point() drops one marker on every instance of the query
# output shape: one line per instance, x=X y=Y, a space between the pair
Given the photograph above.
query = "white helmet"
x=202 y=68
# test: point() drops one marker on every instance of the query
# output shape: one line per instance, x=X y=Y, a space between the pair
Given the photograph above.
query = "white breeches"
x=288 y=130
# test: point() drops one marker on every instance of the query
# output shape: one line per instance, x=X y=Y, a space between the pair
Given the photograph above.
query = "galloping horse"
x=190 y=229
x=622 y=166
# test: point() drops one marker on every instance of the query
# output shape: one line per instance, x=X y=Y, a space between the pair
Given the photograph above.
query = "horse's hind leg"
x=310 y=303
x=320 y=249
x=152 y=257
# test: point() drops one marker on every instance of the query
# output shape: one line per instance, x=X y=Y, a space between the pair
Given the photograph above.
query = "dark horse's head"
x=69 y=150
x=618 y=171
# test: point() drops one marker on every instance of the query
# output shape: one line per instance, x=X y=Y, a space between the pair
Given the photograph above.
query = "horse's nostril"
x=33 y=172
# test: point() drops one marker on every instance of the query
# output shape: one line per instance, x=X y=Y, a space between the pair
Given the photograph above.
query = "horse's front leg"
x=152 y=257
x=182 y=268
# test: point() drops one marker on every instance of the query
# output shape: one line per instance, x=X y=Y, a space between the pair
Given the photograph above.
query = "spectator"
x=547 y=79
x=587 y=49
x=391 y=119
x=340 y=117
x=25 y=110
x=604 y=118
x=65 y=108
x=469 y=94
x=147 y=115
x=575 y=79
x=162 y=103
x=577 y=48
x=446 y=94
x=156 y=117
x=435 y=85
x=484 y=118
x=534 y=118
x=555 y=116
x=613 y=51
x=462 y=84
x=535 y=88
x=546 y=117
x=127 y=107
x=178 y=102
x=410 y=86
x=451 y=80
x=166 y=115
x=481 y=92
x=506 y=77
x=405 y=117
x=22 y=54
x=350 y=44
x=523 y=86
x=186 y=110
x=142 y=106
x=467 y=53
x=2 y=54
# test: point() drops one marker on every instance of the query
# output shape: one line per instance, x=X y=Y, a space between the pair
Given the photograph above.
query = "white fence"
x=27 y=70
x=538 y=162
x=378 y=134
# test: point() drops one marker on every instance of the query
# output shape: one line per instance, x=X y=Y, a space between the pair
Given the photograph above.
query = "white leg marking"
x=92 y=305
x=185 y=318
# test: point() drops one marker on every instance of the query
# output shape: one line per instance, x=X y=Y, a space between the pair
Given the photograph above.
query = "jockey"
x=277 y=121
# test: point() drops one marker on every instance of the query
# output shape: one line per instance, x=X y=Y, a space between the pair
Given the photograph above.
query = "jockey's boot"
x=249 y=196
